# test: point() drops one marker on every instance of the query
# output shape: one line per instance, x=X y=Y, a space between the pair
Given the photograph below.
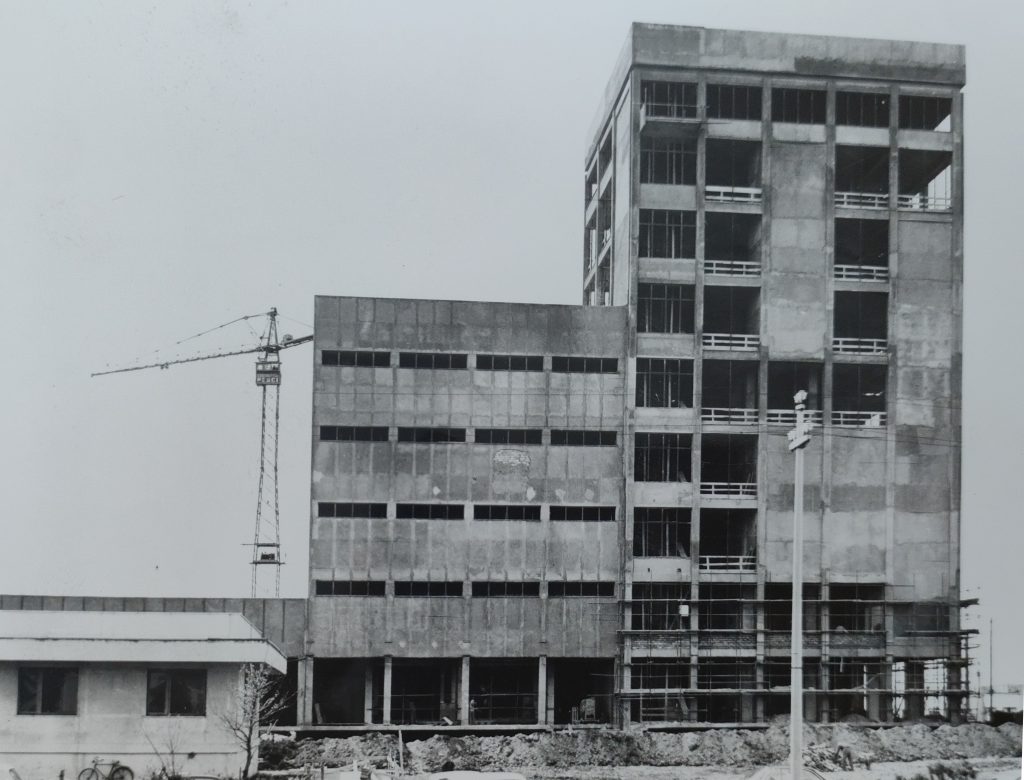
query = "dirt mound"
x=714 y=747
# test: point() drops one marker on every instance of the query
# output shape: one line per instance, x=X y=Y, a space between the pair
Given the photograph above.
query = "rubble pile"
x=714 y=747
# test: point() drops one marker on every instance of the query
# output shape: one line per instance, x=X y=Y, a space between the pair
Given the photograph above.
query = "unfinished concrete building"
x=525 y=515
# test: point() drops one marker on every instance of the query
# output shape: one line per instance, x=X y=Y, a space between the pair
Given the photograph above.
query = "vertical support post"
x=387 y=689
x=542 y=689
x=798 y=439
x=305 y=692
x=464 y=713
x=368 y=694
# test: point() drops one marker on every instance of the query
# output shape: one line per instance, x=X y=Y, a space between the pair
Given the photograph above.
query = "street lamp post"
x=799 y=437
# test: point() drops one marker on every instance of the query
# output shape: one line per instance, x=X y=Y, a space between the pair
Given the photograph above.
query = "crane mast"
x=266 y=540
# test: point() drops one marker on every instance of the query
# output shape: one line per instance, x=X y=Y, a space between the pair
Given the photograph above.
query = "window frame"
x=39 y=696
x=174 y=679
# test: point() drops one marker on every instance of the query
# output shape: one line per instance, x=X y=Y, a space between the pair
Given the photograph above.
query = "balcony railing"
x=729 y=489
x=862 y=273
x=863 y=200
x=851 y=346
x=719 y=414
x=858 y=419
x=921 y=202
x=732 y=267
x=606 y=239
x=788 y=416
x=720 y=194
x=655 y=110
x=730 y=340
x=728 y=563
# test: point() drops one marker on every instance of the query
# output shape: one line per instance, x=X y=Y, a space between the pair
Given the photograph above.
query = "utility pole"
x=799 y=438
x=991 y=690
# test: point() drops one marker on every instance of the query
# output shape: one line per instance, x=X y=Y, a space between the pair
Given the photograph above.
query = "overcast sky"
x=168 y=166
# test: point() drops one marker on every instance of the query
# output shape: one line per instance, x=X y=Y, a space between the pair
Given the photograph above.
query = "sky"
x=168 y=167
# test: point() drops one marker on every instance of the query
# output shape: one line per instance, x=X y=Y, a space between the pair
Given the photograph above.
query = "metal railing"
x=922 y=202
x=788 y=416
x=719 y=414
x=720 y=194
x=862 y=273
x=732 y=267
x=655 y=110
x=859 y=419
x=729 y=489
x=851 y=346
x=728 y=562
x=731 y=340
x=863 y=200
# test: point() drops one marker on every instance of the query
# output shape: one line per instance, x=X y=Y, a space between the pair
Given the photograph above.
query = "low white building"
x=135 y=687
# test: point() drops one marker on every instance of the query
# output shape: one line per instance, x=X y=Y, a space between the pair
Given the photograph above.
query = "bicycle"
x=118 y=771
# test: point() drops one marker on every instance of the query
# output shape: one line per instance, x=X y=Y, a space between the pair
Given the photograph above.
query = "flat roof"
x=134 y=637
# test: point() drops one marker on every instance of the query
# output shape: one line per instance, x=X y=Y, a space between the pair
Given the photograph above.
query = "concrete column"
x=304 y=703
x=542 y=689
x=368 y=693
x=464 y=692
x=387 y=689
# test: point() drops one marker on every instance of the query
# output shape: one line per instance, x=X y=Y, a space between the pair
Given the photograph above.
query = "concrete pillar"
x=368 y=693
x=304 y=695
x=387 y=689
x=877 y=708
x=542 y=689
x=464 y=692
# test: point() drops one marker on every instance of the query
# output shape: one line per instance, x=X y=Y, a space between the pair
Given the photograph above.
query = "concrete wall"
x=112 y=723
x=465 y=473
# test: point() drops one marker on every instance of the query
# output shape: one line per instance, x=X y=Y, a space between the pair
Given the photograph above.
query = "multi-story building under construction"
x=526 y=515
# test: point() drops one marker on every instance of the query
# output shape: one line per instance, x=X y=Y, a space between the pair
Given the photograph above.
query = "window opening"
x=47 y=690
x=353 y=433
x=508 y=435
x=799 y=106
x=510 y=362
x=563 y=438
x=437 y=360
x=336 y=509
x=583 y=513
x=662 y=457
x=661 y=532
x=727 y=101
x=431 y=435
x=668 y=234
x=430 y=511
x=664 y=308
x=372 y=358
x=176 y=692
x=561 y=364
x=667 y=161
x=506 y=512
x=664 y=383
x=862 y=109
x=921 y=112
x=672 y=99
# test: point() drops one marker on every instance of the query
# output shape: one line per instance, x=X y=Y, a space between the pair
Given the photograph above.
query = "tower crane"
x=266 y=542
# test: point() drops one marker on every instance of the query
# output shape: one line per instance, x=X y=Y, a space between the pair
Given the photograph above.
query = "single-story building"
x=136 y=687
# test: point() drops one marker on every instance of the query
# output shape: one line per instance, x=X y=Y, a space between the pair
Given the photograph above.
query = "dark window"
x=353 y=433
x=661 y=532
x=563 y=589
x=858 y=387
x=671 y=234
x=778 y=606
x=349 y=588
x=732 y=237
x=440 y=360
x=862 y=242
x=664 y=308
x=660 y=606
x=726 y=606
x=431 y=435
x=508 y=435
x=335 y=509
x=861 y=315
x=506 y=512
x=731 y=310
x=583 y=513
x=510 y=362
x=726 y=101
x=561 y=438
x=862 y=109
x=506 y=589
x=47 y=690
x=431 y=511
x=665 y=161
x=733 y=163
x=802 y=106
x=674 y=99
x=662 y=457
x=785 y=379
x=348 y=357
x=918 y=112
x=420 y=588
x=664 y=383
x=584 y=365
x=176 y=692
x=856 y=608
x=862 y=169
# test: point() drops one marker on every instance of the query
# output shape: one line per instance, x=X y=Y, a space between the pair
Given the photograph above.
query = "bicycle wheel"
x=121 y=772
x=92 y=773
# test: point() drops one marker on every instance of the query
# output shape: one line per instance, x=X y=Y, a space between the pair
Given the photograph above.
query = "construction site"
x=528 y=516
